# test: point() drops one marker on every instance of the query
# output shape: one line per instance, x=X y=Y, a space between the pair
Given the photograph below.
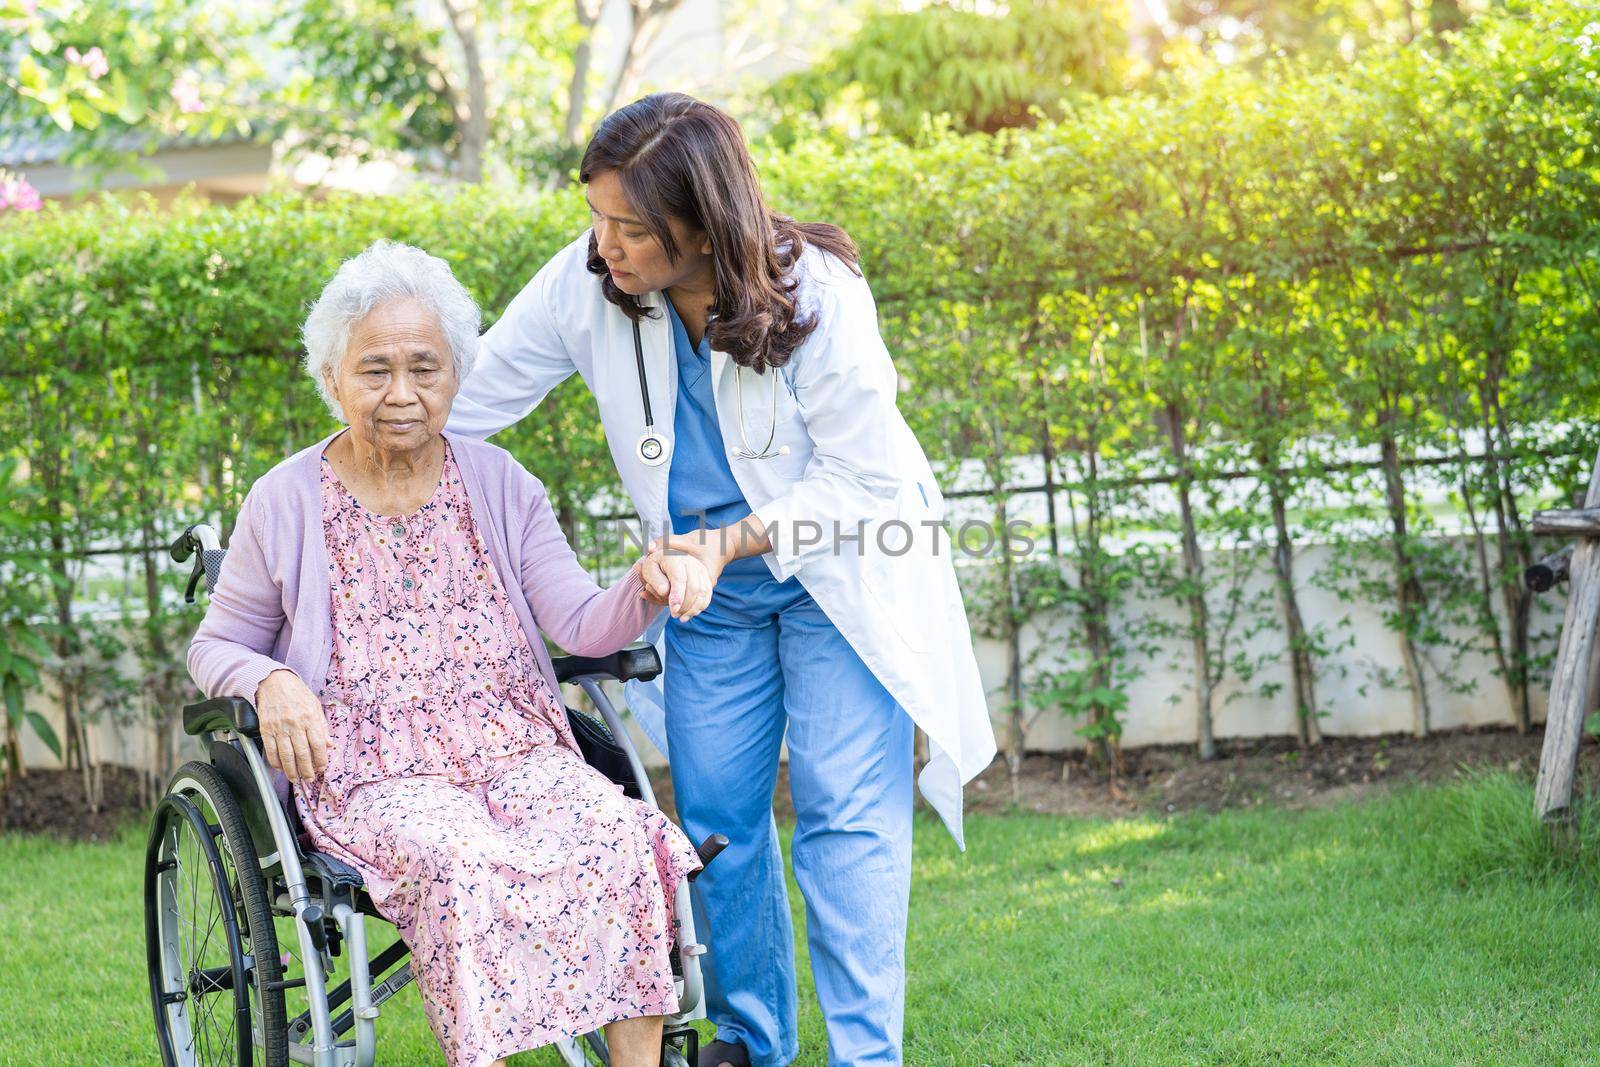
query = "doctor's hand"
x=677 y=580
x=294 y=729
x=715 y=549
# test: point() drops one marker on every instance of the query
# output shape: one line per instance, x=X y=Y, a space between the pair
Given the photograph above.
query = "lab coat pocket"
x=901 y=570
x=908 y=602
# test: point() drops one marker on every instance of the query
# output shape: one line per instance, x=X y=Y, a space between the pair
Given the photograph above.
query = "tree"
x=119 y=78
x=457 y=89
x=1252 y=31
x=985 y=71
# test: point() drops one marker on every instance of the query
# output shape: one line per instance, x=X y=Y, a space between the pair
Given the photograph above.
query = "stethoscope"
x=654 y=447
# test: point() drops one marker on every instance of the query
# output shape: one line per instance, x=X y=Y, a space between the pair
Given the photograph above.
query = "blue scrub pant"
x=760 y=658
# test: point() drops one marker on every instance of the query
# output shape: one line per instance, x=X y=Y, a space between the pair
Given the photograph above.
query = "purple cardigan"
x=270 y=608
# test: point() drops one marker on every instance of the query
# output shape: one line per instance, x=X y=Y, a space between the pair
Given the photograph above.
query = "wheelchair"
x=241 y=913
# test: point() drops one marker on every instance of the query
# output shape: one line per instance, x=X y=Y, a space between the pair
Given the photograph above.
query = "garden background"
x=1272 y=361
x=1263 y=324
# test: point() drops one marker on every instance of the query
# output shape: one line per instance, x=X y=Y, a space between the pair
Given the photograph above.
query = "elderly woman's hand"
x=677 y=580
x=294 y=730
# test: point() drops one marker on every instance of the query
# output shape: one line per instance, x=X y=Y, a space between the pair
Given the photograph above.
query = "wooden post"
x=1583 y=522
x=1572 y=685
x=1551 y=571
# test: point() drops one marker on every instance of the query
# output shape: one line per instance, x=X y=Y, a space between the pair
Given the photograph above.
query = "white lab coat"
x=852 y=459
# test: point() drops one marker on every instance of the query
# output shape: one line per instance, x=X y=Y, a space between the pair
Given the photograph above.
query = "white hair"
x=387 y=270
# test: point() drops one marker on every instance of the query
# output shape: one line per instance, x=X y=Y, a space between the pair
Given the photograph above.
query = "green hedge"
x=1232 y=283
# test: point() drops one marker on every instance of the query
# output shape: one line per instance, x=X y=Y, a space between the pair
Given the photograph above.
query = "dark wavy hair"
x=678 y=157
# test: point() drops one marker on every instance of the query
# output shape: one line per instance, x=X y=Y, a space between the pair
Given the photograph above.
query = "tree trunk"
x=48 y=463
x=1017 y=715
x=475 y=122
x=1490 y=623
x=1048 y=456
x=93 y=780
x=1096 y=612
x=1445 y=16
x=588 y=13
x=14 y=768
x=1515 y=550
x=1307 y=726
x=1410 y=600
x=649 y=16
x=1270 y=411
x=67 y=645
x=1195 y=595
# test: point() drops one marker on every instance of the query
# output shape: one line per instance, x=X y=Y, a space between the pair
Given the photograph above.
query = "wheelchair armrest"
x=221 y=713
x=634 y=662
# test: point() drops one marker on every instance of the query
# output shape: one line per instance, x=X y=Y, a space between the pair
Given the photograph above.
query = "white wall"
x=1161 y=709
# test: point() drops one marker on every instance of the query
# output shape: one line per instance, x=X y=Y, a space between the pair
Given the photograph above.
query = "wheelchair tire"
x=209 y=932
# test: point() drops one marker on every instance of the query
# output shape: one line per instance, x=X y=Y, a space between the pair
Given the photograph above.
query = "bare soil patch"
x=1170 y=779
x=53 y=802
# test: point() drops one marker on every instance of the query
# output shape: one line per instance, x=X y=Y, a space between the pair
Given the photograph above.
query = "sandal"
x=716 y=1053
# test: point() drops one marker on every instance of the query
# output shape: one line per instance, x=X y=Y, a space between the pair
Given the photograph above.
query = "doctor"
x=749 y=405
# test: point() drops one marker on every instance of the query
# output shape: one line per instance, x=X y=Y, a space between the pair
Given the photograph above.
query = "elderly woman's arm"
x=568 y=605
x=229 y=655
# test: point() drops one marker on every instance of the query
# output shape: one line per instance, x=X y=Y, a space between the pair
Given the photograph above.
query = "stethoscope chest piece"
x=652 y=449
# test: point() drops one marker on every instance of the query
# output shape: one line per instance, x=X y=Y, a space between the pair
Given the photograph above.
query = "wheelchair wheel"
x=213 y=954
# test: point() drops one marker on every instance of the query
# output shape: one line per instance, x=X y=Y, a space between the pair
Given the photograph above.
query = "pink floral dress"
x=534 y=896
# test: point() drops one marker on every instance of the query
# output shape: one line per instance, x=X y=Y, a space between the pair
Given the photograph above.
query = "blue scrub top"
x=700 y=486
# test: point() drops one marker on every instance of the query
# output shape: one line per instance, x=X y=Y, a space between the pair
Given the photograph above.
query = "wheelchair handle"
x=708 y=850
x=196 y=536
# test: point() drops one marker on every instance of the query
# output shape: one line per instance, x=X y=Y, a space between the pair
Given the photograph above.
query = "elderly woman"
x=381 y=604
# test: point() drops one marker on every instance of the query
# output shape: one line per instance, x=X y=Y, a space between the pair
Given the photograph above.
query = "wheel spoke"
x=194 y=883
x=187 y=959
x=205 y=942
x=230 y=1035
x=208 y=1005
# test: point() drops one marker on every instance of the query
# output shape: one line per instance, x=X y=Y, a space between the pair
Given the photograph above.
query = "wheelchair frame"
x=325 y=898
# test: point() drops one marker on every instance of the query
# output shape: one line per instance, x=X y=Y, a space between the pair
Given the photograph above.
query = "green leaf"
x=61 y=114
x=83 y=114
x=13 y=695
x=133 y=104
x=46 y=734
x=31 y=76
x=34 y=641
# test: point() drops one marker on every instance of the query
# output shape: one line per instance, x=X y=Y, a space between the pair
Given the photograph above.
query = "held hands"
x=294 y=730
x=679 y=579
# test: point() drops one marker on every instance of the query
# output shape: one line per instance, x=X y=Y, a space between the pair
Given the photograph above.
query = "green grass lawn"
x=1426 y=926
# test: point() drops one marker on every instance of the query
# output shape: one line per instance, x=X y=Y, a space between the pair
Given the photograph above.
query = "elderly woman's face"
x=397 y=381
